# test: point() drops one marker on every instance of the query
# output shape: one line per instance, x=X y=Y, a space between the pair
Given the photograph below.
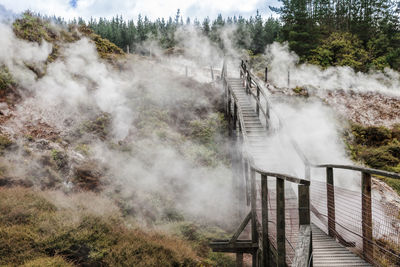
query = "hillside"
x=110 y=158
x=99 y=167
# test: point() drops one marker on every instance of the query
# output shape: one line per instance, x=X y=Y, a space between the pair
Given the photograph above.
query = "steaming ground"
x=120 y=130
x=124 y=130
x=282 y=61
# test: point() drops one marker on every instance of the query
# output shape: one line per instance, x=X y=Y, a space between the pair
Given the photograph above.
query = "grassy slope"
x=35 y=231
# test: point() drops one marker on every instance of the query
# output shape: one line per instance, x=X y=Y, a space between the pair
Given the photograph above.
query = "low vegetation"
x=35 y=29
x=36 y=230
x=378 y=147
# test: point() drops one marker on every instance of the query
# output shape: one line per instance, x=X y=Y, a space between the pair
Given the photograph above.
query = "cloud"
x=131 y=9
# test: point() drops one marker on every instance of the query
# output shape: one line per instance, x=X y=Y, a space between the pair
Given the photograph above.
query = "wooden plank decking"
x=326 y=251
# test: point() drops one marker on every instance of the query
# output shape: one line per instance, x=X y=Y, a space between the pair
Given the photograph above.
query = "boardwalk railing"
x=357 y=219
x=269 y=239
x=249 y=82
x=280 y=218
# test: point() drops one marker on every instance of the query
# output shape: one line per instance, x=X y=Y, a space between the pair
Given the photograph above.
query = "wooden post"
x=246 y=177
x=239 y=259
x=127 y=49
x=234 y=116
x=367 y=217
x=330 y=196
x=240 y=177
x=212 y=73
x=258 y=97
x=266 y=74
x=247 y=83
x=267 y=117
x=305 y=235
x=229 y=113
x=304 y=204
x=280 y=223
x=288 y=78
x=264 y=216
x=254 y=233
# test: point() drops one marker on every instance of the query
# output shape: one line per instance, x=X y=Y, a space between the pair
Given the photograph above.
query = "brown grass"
x=52 y=229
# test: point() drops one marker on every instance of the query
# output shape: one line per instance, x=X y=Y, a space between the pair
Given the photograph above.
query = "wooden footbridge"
x=292 y=221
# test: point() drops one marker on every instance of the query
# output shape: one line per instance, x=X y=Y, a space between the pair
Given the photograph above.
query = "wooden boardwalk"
x=327 y=252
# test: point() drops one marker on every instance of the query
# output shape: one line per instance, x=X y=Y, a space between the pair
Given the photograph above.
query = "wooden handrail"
x=360 y=169
x=252 y=164
x=259 y=233
x=251 y=79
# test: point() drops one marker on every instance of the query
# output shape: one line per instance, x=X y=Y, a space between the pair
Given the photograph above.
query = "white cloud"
x=130 y=9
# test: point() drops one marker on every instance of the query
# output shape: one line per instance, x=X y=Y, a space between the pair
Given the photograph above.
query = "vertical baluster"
x=229 y=112
x=280 y=222
x=367 y=217
x=234 y=116
x=330 y=197
x=258 y=98
x=266 y=74
x=267 y=112
x=304 y=204
x=304 y=218
x=246 y=177
x=254 y=233
x=264 y=215
x=239 y=259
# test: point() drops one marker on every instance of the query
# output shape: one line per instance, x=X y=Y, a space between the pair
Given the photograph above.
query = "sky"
x=130 y=9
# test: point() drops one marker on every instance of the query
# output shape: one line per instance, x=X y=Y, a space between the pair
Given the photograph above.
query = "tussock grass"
x=52 y=229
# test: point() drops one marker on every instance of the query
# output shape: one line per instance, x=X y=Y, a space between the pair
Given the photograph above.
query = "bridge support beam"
x=367 y=217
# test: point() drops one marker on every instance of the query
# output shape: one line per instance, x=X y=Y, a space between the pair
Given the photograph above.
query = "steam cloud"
x=79 y=85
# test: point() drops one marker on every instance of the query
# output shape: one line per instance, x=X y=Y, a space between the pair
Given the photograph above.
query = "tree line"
x=363 y=34
x=252 y=33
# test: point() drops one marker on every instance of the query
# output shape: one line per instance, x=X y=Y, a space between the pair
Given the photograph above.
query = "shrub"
x=379 y=158
x=371 y=135
x=6 y=80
